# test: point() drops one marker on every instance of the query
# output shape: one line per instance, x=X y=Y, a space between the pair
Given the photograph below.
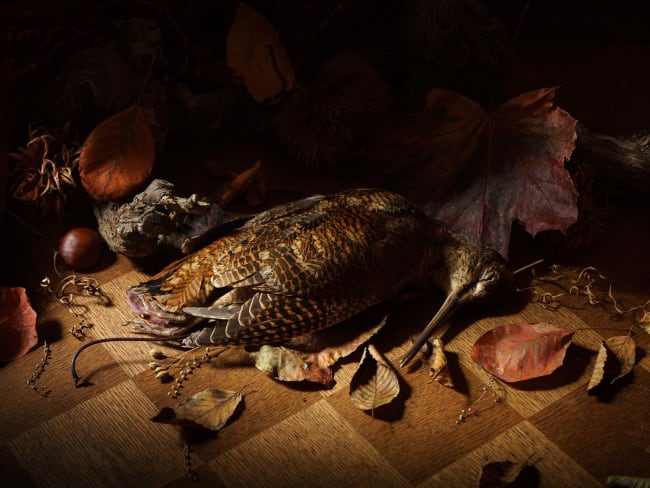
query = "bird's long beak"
x=447 y=307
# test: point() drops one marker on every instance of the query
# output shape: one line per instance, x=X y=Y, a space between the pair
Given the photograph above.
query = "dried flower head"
x=42 y=171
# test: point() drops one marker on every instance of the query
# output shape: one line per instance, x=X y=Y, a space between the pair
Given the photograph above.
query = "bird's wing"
x=307 y=266
x=313 y=270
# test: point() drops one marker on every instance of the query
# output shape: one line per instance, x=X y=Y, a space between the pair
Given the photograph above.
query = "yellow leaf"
x=255 y=53
x=374 y=383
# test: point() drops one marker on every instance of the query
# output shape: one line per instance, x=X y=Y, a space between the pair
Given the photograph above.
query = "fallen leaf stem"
x=73 y=367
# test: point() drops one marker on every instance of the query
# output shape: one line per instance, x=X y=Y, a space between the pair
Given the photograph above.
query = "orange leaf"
x=517 y=352
x=118 y=156
x=255 y=53
x=17 y=323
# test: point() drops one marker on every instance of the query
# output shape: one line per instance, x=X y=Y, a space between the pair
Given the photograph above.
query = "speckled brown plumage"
x=305 y=266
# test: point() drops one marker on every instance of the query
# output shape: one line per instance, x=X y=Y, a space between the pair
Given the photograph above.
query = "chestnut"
x=80 y=248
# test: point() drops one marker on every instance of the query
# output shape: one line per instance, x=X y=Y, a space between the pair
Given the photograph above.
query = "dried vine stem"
x=188 y=368
x=38 y=371
x=187 y=460
x=66 y=291
x=496 y=392
x=582 y=286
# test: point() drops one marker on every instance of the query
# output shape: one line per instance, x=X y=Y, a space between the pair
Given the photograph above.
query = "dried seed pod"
x=157 y=353
x=80 y=248
x=163 y=375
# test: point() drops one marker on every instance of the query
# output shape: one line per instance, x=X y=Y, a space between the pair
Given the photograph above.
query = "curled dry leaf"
x=517 y=352
x=255 y=53
x=375 y=382
x=320 y=351
x=507 y=474
x=616 y=358
x=17 y=323
x=117 y=156
x=436 y=361
x=644 y=321
x=210 y=408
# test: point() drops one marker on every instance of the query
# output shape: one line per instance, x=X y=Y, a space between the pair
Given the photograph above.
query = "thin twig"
x=38 y=371
x=73 y=367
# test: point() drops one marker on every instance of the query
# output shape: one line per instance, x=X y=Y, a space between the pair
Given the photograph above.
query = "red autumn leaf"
x=479 y=171
x=17 y=323
x=517 y=352
x=118 y=155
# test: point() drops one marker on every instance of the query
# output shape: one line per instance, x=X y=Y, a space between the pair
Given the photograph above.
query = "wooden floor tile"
x=106 y=441
x=523 y=443
x=266 y=402
x=314 y=447
x=21 y=407
x=422 y=423
x=575 y=423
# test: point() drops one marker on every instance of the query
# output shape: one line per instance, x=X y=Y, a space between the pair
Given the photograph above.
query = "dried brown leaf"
x=289 y=364
x=248 y=183
x=624 y=349
x=375 y=382
x=255 y=53
x=210 y=408
x=516 y=352
x=644 y=321
x=117 y=156
x=436 y=361
x=17 y=323
x=507 y=474
x=598 y=373
x=615 y=359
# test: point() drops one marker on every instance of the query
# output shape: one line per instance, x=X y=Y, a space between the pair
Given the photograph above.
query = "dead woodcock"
x=310 y=264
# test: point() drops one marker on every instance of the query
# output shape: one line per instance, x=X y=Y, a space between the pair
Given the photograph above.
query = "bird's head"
x=469 y=273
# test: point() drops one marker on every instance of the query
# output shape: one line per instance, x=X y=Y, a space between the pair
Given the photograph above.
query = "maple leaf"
x=517 y=352
x=117 y=156
x=478 y=171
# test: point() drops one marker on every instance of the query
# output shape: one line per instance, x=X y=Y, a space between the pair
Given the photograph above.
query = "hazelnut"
x=80 y=248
